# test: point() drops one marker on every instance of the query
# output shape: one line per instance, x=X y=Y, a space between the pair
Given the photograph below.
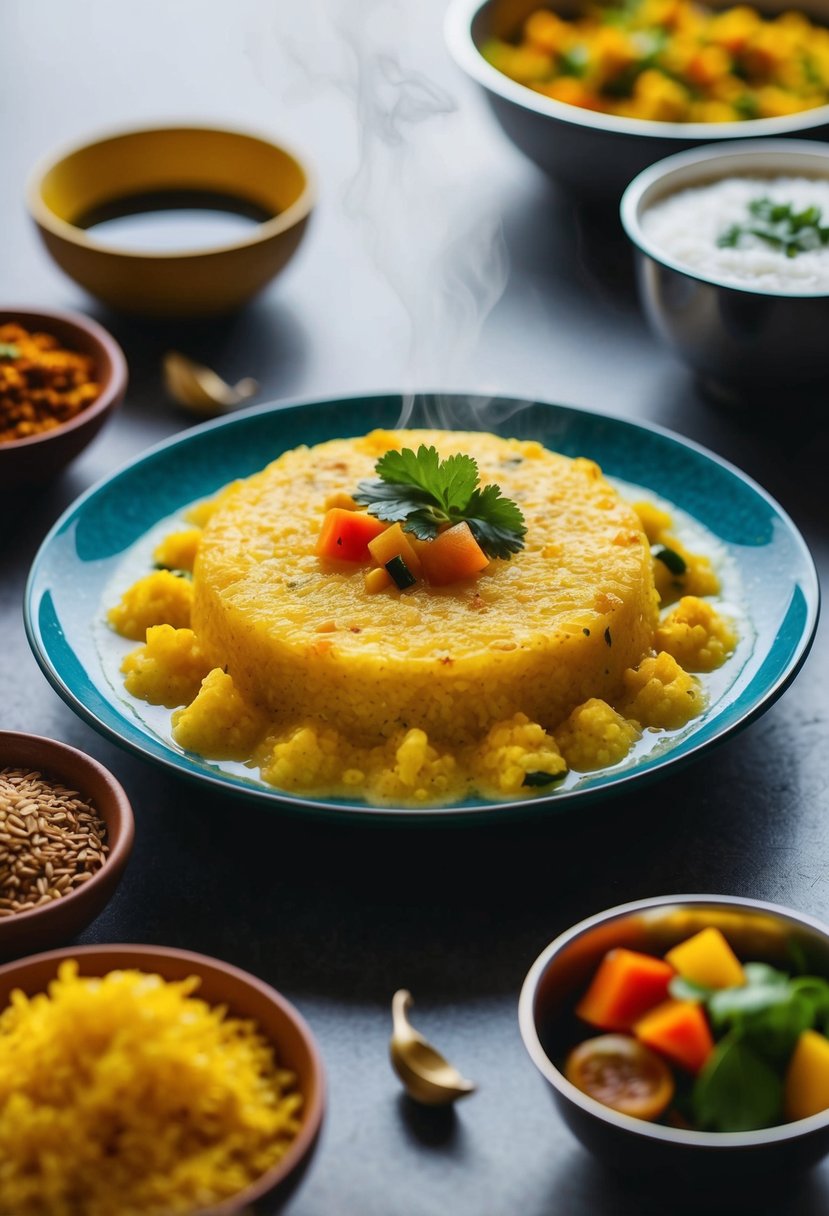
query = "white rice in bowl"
x=687 y=226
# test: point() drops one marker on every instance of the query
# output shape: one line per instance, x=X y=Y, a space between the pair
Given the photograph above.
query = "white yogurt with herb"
x=770 y=234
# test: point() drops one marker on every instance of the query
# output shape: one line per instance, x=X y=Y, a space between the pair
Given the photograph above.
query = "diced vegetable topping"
x=425 y=494
x=377 y=580
x=626 y=985
x=345 y=535
x=393 y=542
x=400 y=573
x=453 y=555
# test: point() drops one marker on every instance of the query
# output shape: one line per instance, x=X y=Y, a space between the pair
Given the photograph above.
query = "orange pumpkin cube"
x=678 y=1030
x=626 y=985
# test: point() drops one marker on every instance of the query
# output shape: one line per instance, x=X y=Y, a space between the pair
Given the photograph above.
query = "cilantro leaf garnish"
x=779 y=226
x=425 y=494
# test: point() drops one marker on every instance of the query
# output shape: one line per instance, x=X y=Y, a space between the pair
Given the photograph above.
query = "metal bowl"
x=725 y=1164
x=595 y=155
x=744 y=344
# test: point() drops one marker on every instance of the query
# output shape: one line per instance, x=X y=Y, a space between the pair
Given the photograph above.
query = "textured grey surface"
x=338 y=917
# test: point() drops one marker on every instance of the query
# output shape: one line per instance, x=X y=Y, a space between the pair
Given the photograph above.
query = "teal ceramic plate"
x=768 y=567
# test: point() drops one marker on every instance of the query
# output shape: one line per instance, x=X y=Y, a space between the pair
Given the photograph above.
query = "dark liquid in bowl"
x=173 y=221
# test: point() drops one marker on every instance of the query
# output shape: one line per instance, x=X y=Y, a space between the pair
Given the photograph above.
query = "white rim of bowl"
x=655 y=1131
x=748 y=151
x=42 y=214
x=464 y=50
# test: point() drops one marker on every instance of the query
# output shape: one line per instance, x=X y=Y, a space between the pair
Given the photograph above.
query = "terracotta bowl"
x=245 y=996
x=205 y=161
x=62 y=919
x=38 y=458
x=733 y=1169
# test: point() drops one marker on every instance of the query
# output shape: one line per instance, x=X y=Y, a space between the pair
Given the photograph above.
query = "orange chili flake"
x=41 y=383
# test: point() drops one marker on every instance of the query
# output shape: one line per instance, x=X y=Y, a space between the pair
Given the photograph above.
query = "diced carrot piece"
x=626 y=985
x=806 y=1089
x=707 y=959
x=393 y=542
x=377 y=580
x=453 y=555
x=680 y=1031
x=345 y=535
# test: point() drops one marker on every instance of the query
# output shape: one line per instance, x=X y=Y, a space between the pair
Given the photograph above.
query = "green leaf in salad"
x=682 y=989
x=737 y=1091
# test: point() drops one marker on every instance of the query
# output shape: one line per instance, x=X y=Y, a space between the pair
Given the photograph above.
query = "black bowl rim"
x=708 y=155
x=627 y=1123
x=458 y=22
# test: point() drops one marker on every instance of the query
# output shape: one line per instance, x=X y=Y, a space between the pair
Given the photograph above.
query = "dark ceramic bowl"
x=61 y=919
x=245 y=996
x=744 y=344
x=38 y=458
x=595 y=155
x=718 y=1165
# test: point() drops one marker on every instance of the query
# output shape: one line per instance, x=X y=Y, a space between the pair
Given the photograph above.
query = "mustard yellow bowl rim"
x=46 y=218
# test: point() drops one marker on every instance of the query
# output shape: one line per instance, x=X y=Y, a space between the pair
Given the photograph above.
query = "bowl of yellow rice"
x=143 y=1080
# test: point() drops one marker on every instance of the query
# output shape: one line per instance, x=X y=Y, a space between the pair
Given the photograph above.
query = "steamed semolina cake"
x=557 y=624
x=392 y=681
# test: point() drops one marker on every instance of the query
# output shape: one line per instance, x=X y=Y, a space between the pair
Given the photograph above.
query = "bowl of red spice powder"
x=61 y=376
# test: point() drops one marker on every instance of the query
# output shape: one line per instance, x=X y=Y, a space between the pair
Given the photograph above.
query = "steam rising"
x=434 y=236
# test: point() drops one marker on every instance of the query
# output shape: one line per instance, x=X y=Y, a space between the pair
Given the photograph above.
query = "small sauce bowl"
x=191 y=282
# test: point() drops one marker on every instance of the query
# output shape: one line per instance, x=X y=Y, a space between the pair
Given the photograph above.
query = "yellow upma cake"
x=304 y=639
x=331 y=676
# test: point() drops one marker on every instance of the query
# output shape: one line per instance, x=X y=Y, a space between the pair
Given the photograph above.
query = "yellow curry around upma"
x=333 y=678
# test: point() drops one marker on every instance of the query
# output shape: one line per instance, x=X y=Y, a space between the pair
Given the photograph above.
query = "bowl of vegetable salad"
x=596 y=92
x=686 y=1038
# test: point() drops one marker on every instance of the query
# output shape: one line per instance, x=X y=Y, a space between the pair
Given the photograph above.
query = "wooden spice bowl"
x=36 y=459
x=61 y=919
x=245 y=996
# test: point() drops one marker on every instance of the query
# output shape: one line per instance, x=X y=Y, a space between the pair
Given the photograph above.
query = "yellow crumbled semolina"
x=595 y=736
x=168 y=670
x=127 y=1094
x=178 y=550
x=661 y=694
x=160 y=598
x=218 y=723
x=698 y=577
x=513 y=749
x=696 y=635
x=653 y=519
